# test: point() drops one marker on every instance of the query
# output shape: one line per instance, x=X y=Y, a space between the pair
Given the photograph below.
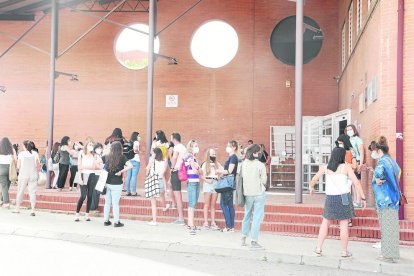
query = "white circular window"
x=131 y=47
x=214 y=44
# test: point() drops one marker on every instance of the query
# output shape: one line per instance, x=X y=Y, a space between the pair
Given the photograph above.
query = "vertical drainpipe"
x=400 y=114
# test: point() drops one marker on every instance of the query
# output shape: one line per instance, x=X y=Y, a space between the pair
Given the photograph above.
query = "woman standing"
x=193 y=182
x=116 y=164
x=54 y=165
x=133 y=157
x=157 y=163
x=7 y=156
x=209 y=167
x=358 y=152
x=77 y=148
x=226 y=199
x=254 y=177
x=28 y=165
x=338 y=203
x=98 y=149
x=387 y=198
x=87 y=165
x=64 y=162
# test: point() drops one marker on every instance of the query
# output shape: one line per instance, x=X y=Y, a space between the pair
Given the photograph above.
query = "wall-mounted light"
x=171 y=60
x=288 y=83
x=73 y=77
x=3 y=89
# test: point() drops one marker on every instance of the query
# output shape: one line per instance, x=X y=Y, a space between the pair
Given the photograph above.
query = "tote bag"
x=12 y=171
x=241 y=199
x=152 y=184
x=100 y=185
x=225 y=184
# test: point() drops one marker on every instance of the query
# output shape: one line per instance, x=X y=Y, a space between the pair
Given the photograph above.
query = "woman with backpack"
x=132 y=154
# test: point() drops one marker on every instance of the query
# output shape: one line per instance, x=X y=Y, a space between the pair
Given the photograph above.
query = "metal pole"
x=400 y=111
x=150 y=85
x=298 y=101
x=53 y=54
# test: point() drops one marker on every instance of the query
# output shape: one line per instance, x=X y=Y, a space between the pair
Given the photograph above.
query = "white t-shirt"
x=5 y=159
x=159 y=167
x=87 y=161
x=136 y=150
x=28 y=163
x=337 y=183
x=180 y=148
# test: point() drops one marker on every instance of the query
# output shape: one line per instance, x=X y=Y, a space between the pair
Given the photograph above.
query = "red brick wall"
x=375 y=55
x=239 y=101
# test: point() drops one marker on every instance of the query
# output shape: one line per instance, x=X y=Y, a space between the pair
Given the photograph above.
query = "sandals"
x=317 y=252
x=346 y=254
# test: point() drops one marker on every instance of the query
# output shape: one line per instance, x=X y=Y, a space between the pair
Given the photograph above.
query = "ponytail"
x=28 y=145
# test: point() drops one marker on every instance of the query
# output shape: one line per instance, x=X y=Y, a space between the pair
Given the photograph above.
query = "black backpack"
x=128 y=151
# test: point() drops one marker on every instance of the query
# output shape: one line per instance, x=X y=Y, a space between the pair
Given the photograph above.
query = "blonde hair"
x=190 y=145
x=208 y=162
x=88 y=140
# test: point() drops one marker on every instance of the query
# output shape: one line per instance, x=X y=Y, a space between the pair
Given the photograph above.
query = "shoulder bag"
x=226 y=184
x=182 y=173
x=12 y=171
x=241 y=199
x=101 y=184
x=403 y=198
x=152 y=184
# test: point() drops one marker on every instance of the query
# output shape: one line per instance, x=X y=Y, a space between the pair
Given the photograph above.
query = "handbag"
x=226 y=184
x=12 y=171
x=182 y=173
x=100 y=185
x=152 y=184
x=41 y=180
x=403 y=198
x=241 y=199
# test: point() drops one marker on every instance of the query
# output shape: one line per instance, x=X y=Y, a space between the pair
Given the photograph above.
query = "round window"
x=283 y=40
x=131 y=47
x=214 y=44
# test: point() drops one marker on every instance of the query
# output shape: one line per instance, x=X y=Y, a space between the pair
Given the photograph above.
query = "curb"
x=178 y=247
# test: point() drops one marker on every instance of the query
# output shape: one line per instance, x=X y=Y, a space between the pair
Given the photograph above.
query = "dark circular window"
x=283 y=38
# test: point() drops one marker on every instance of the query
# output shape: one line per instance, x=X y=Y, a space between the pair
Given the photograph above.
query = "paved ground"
x=56 y=240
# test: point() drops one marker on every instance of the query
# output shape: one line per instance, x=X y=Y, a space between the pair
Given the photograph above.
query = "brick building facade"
x=238 y=101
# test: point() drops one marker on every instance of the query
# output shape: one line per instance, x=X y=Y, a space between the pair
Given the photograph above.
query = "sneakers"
x=128 y=194
x=243 y=241
x=107 y=223
x=178 y=222
x=87 y=218
x=193 y=231
x=346 y=254
x=214 y=227
x=167 y=207
x=387 y=259
x=377 y=245
x=119 y=224
x=256 y=246
x=152 y=223
x=70 y=189
x=206 y=226
x=77 y=217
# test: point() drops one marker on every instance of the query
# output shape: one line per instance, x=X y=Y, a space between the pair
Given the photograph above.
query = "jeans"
x=112 y=196
x=73 y=171
x=255 y=204
x=63 y=174
x=193 y=190
x=132 y=177
x=86 y=192
x=227 y=206
x=4 y=183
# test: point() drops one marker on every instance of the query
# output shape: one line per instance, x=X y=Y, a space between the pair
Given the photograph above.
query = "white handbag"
x=103 y=176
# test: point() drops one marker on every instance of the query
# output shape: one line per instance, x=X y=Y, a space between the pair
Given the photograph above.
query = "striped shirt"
x=193 y=177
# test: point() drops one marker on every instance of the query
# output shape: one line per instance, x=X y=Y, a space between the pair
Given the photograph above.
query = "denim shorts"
x=193 y=190
x=161 y=184
x=209 y=188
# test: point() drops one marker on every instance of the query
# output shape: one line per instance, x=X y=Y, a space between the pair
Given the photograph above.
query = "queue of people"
x=173 y=164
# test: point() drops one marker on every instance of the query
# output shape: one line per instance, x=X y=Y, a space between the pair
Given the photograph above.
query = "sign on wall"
x=171 y=101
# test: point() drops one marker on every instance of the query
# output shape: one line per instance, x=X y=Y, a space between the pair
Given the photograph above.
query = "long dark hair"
x=337 y=158
x=28 y=145
x=115 y=136
x=55 y=148
x=161 y=136
x=134 y=137
x=114 y=156
x=345 y=140
x=65 y=141
x=6 y=147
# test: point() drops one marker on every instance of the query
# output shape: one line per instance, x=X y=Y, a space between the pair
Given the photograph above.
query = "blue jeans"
x=132 y=177
x=193 y=190
x=255 y=204
x=112 y=196
x=227 y=206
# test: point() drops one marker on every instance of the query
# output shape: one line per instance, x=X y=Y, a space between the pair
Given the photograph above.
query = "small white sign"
x=171 y=101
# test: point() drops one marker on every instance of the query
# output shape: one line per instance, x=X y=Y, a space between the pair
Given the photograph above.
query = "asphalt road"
x=21 y=255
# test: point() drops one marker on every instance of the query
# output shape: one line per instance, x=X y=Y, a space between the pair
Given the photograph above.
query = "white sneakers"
x=152 y=223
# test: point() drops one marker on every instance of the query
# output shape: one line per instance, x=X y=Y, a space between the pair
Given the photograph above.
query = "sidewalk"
x=172 y=238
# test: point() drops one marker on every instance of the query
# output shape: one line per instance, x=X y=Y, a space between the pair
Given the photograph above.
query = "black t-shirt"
x=112 y=178
x=232 y=160
x=264 y=156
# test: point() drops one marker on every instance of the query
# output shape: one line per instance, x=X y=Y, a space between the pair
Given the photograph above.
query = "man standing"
x=177 y=159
